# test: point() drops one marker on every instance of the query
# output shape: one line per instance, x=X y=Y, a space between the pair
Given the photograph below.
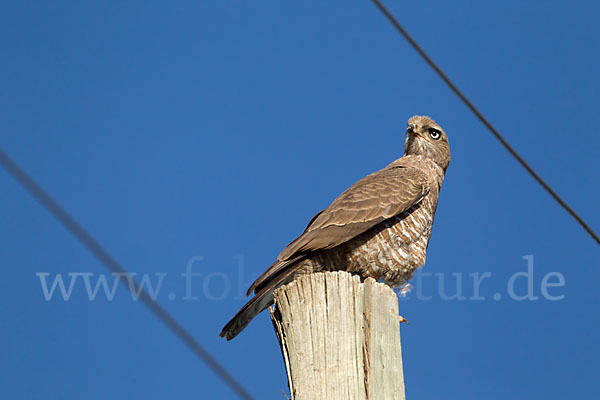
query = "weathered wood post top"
x=340 y=338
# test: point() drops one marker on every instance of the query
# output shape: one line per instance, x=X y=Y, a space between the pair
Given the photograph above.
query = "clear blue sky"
x=216 y=129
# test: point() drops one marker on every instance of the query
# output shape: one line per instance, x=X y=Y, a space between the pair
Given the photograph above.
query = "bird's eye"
x=435 y=134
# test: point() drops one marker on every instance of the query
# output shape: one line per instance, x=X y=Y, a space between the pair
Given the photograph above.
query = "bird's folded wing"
x=373 y=199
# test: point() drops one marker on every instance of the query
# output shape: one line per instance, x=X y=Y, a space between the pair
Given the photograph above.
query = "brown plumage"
x=379 y=227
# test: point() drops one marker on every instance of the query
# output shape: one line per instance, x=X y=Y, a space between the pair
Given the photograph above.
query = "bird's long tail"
x=261 y=300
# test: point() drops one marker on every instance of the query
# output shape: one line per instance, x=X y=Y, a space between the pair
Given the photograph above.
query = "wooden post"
x=340 y=338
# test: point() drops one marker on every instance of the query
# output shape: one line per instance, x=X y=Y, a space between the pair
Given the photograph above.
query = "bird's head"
x=426 y=138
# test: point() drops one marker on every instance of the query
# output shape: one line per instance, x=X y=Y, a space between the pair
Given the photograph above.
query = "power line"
x=479 y=115
x=102 y=255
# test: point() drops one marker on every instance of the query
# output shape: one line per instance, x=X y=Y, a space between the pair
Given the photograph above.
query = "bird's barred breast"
x=392 y=252
x=389 y=252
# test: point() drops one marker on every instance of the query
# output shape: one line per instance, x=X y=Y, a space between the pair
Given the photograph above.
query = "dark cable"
x=478 y=114
x=102 y=255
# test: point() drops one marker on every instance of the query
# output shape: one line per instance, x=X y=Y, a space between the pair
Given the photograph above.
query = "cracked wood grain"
x=340 y=338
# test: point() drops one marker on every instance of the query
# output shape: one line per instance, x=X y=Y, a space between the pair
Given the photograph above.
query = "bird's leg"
x=401 y=319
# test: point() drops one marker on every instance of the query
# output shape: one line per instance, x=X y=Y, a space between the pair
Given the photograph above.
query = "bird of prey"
x=379 y=227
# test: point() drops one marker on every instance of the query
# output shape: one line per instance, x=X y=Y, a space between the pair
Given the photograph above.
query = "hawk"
x=379 y=227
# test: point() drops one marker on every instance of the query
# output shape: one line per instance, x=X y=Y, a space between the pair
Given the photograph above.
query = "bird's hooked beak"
x=412 y=130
